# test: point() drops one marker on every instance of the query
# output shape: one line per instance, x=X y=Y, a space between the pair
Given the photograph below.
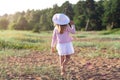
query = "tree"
x=16 y=16
x=36 y=28
x=56 y=9
x=90 y=15
x=79 y=17
x=68 y=9
x=43 y=22
x=111 y=18
x=21 y=24
x=99 y=12
x=4 y=23
x=28 y=15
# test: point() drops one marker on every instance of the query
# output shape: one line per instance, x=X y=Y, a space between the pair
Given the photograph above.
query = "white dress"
x=65 y=48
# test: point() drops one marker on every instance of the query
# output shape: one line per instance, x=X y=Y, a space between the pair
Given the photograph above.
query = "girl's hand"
x=52 y=49
x=71 y=23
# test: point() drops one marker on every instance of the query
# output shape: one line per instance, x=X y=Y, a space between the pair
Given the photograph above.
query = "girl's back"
x=62 y=34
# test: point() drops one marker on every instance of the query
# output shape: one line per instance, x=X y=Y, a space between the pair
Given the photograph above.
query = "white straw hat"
x=60 y=19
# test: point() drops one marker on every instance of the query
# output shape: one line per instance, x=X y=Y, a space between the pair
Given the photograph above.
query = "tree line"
x=87 y=15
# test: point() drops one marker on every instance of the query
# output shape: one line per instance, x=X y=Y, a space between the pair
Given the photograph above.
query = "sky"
x=12 y=6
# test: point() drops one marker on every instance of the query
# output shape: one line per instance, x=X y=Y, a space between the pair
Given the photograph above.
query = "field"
x=26 y=56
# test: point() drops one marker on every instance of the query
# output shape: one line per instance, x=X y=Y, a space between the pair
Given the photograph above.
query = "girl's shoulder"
x=55 y=29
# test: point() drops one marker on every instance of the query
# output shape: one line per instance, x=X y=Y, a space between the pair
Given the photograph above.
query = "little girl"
x=61 y=38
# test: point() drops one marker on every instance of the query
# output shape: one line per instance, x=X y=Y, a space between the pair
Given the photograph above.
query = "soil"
x=79 y=68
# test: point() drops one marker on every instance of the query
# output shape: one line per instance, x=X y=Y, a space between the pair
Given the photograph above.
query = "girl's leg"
x=67 y=58
x=62 y=59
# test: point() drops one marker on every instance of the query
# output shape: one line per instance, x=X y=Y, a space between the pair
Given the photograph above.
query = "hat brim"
x=60 y=19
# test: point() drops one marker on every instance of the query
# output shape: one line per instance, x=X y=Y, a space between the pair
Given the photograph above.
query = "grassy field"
x=26 y=56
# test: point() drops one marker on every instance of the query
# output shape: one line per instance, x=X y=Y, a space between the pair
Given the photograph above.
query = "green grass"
x=11 y=41
x=4 y=53
x=92 y=43
x=22 y=43
x=98 y=53
x=23 y=40
x=45 y=72
x=114 y=31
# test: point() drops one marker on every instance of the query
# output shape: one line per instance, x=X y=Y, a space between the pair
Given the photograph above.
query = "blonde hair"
x=61 y=28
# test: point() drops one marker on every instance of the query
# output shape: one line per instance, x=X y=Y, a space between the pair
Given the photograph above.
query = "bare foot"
x=62 y=71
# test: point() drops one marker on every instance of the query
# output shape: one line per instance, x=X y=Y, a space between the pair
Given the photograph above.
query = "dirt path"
x=79 y=68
